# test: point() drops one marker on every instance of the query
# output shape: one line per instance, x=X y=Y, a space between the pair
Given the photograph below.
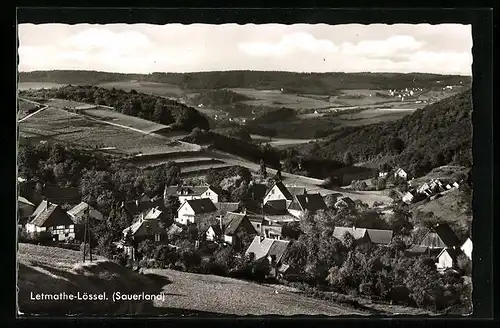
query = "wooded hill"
x=153 y=108
x=308 y=83
x=436 y=135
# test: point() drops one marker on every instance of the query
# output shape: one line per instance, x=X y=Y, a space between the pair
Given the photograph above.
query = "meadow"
x=157 y=89
x=66 y=127
x=125 y=120
x=274 y=98
x=38 y=85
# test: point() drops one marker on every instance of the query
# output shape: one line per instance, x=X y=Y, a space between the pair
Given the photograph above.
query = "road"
x=34 y=113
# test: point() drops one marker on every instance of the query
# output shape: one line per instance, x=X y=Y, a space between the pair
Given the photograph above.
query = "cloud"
x=289 y=43
x=391 y=46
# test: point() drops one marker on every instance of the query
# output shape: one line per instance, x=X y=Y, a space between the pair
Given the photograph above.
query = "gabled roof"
x=51 y=215
x=263 y=247
x=236 y=222
x=39 y=208
x=295 y=191
x=284 y=190
x=144 y=227
x=357 y=233
x=310 y=202
x=153 y=214
x=257 y=191
x=174 y=229
x=70 y=195
x=417 y=249
x=275 y=207
x=216 y=229
x=447 y=235
x=454 y=252
x=142 y=207
x=200 y=206
x=79 y=210
x=378 y=236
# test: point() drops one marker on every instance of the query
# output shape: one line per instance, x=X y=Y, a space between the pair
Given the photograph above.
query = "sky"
x=146 y=48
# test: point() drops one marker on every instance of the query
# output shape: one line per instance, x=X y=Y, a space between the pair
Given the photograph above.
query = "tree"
x=349 y=241
x=277 y=177
x=381 y=184
x=263 y=171
x=348 y=159
x=146 y=248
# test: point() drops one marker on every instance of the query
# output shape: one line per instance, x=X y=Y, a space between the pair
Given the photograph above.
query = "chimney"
x=245 y=210
x=137 y=202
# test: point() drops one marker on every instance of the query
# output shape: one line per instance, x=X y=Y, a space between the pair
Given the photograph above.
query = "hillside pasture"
x=274 y=98
x=125 y=120
x=372 y=116
x=58 y=125
x=70 y=104
x=446 y=174
x=25 y=108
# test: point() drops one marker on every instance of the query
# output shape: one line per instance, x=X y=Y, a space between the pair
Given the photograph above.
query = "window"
x=157 y=237
x=258 y=225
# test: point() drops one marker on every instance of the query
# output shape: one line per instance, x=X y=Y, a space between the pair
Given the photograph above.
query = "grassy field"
x=24 y=108
x=448 y=208
x=274 y=98
x=60 y=125
x=223 y=295
x=125 y=120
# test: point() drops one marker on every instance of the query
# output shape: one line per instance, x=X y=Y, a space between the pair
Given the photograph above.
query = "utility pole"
x=87 y=236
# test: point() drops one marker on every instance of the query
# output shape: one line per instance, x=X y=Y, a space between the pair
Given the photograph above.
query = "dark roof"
x=216 y=229
x=39 y=208
x=417 y=249
x=275 y=207
x=51 y=215
x=377 y=236
x=447 y=235
x=263 y=247
x=296 y=190
x=235 y=223
x=78 y=212
x=203 y=205
x=60 y=195
x=278 y=249
x=356 y=233
x=257 y=191
x=231 y=222
x=284 y=190
x=310 y=202
x=174 y=229
x=145 y=228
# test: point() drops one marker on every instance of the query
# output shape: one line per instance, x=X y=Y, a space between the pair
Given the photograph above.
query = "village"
x=260 y=222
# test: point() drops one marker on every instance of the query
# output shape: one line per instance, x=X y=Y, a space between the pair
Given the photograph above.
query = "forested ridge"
x=290 y=82
x=436 y=135
x=153 y=108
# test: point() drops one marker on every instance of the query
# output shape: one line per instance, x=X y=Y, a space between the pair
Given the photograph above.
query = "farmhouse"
x=193 y=208
x=193 y=192
x=145 y=228
x=447 y=259
x=401 y=174
x=365 y=237
x=345 y=203
x=138 y=207
x=59 y=195
x=269 y=252
x=25 y=210
x=467 y=248
x=53 y=219
x=280 y=192
x=380 y=237
x=79 y=212
x=306 y=202
x=424 y=189
x=439 y=237
x=276 y=211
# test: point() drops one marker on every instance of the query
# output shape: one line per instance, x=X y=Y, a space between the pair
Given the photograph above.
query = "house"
x=236 y=225
x=192 y=208
x=417 y=250
x=408 y=197
x=424 y=189
x=448 y=187
x=276 y=211
x=193 y=192
x=25 y=210
x=79 y=212
x=53 y=219
x=467 y=248
x=269 y=252
x=224 y=207
x=439 y=237
x=455 y=184
x=345 y=202
x=401 y=174
x=138 y=207
x=173 y=230
x=288 y=272
x=306 y=202
x=272 y=230
x=436 y=185
x=447 y=259
x=214 y=233
x=60 y=195
x=145 y=228
x=280 y=192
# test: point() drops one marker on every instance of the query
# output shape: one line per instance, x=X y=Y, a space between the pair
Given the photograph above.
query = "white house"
x=382 y=174
x=424 y=189
x=52 y=218
x=280 y=191
x=401 y=173
x=447 y=258
x=455 y=184
x=193 y=208
x=467 y=248
x=408 y=198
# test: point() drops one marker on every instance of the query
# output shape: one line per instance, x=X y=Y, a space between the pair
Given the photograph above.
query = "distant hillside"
x=433 y=136
x=153 y=108
x=307 y=83
x=219 y=97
